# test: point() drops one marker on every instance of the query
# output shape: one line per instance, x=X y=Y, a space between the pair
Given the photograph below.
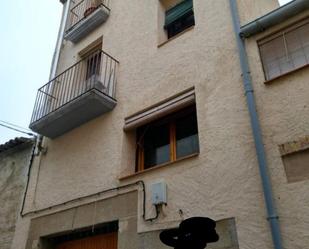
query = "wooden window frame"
x=91 y=48
x=171 y=121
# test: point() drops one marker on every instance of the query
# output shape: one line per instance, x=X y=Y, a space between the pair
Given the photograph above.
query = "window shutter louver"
x=178 y=11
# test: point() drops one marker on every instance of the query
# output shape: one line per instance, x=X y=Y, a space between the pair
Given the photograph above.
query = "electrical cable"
x=11 y=124
x=98 y=194
x=28 y=177
x=11 y=128
x=144 y=204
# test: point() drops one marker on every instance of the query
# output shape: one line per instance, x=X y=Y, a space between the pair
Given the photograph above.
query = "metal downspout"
x=39 y=140
x=56 y=55
x=272 y=216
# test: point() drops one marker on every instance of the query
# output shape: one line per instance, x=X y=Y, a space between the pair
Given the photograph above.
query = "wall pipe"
x=55 y=60
x=274 y=17
x=272 y=216
x=37 y=147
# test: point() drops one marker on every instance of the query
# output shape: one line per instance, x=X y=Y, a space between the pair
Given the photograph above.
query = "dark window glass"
x=180 y=24
x=186 y=135
x=156 y=145
x=168 y=139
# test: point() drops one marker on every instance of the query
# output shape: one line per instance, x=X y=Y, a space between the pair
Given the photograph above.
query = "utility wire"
x=11 y=124
x=28 y=133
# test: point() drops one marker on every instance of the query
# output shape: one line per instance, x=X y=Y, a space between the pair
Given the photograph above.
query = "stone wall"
x=13 y=176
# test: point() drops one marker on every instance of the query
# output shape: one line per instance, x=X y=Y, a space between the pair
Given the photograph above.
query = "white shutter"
x=286 y=51
x=160 y=110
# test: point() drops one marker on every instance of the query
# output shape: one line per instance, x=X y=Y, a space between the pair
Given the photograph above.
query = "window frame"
x=171 y=121
x=274 y=35
x=92 y=55
x=170 y=30
x=93 y=64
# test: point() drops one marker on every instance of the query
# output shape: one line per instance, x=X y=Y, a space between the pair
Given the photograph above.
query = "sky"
x=29 y=31
x=284 y=1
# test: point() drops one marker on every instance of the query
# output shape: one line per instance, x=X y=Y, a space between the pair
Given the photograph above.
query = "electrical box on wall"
x=158 y=191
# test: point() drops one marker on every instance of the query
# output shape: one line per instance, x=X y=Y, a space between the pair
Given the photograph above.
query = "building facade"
x=145 y=123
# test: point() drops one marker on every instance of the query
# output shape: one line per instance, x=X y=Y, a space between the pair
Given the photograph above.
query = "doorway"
x=102 y=241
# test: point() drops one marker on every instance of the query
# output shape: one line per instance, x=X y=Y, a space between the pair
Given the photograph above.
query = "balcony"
x=81 y=93
x=84 y=17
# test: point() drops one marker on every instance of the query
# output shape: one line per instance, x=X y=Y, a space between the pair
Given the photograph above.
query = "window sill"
x=176 y=36
x=160 y=166
x=285 y=74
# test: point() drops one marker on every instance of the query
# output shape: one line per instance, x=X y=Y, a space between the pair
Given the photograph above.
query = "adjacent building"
x=15 y=156
x=145 y=123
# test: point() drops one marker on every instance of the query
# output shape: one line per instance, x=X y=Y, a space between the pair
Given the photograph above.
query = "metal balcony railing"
x=81 y=10
x=96 y=71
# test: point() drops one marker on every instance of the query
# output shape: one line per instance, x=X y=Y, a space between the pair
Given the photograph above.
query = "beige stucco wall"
x=13 y=177
x=283 y=108
x=223 y=181
x=122 y=208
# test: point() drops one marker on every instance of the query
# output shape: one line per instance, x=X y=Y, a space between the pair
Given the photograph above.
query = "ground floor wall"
x=45 y=231
x=121 y=209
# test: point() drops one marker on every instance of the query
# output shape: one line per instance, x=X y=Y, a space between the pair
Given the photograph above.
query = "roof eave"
x=273 y=18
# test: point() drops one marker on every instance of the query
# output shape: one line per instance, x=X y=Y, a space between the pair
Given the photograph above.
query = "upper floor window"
x=93 y=64
x=179 y=18
x=168 y=139
x=285 y=51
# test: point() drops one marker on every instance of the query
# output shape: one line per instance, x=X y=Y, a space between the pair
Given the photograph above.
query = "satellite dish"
x=192 y=233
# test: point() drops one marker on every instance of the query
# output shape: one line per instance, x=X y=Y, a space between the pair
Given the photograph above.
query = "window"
x=93 y=65
x=285 y=51
x=168 y=139
x=179 y=18
x=296 y=166
x=92 y=56
x=295 y=157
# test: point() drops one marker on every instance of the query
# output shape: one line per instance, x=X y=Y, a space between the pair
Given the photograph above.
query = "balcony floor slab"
x=73 y=114
x=85 y=26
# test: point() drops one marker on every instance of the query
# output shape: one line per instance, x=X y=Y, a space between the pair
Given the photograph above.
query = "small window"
x=295 y=157
x=285 y=51
x=167 y=140
x=296 y=166
x=179 y=18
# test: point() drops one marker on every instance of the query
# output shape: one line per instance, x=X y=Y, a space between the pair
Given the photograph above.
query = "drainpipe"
x=56 y=55
x=37 y=148
x=272 y=216
x=65 y=11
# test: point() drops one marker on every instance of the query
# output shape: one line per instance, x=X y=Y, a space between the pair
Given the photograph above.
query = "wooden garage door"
x=103 y=241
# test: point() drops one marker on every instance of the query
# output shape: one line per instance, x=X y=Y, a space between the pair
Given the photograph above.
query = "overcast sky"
x=284 y=1
x=28 y=36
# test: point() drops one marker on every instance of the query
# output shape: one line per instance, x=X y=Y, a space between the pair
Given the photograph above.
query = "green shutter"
x=178 y=11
